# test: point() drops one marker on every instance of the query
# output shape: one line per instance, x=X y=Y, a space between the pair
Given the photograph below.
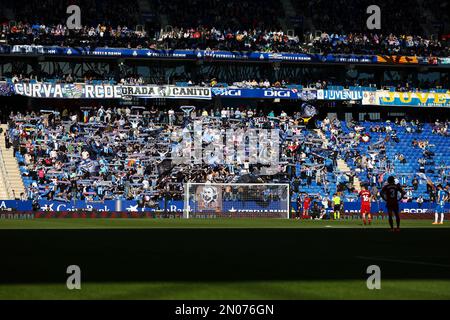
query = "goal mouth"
x=236 y=200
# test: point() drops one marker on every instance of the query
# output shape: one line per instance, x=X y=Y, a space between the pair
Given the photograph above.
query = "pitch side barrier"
x=175 y=208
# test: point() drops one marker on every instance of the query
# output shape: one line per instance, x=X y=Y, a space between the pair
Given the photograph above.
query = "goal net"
x=245 y=200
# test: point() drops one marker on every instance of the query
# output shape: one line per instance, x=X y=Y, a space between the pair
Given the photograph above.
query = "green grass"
x=222 y=259
x=202 y=223
x=275 y=290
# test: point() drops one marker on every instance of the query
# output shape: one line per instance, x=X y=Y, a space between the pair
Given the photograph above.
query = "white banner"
x=107 y=91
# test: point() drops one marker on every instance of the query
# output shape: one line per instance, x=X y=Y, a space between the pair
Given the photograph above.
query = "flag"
x=424 y=177
x=308 y=110
x=6 y=89
x=85 y=116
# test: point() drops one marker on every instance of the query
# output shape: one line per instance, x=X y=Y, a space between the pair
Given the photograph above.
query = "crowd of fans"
x=211 y=39
x=123 y=36
x=114 y=152
x=350 y=16
x=54 y=12
x=261 y=40
x=232 y=14
x=101 y=35
x=368 y=148
x=231 y=25
x=129 y=153
x=378 y=43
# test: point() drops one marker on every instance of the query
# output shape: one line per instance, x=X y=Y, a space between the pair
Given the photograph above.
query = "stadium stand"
x=406 y=149
x=224 y=39
x=82 y=151
x=53 y=12
x=120 y=153
x=198 y=26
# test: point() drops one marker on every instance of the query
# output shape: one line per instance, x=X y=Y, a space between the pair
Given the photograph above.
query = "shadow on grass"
x=42 y=256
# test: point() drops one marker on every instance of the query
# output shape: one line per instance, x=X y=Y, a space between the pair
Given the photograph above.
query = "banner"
x=339 y=95
x=349 y=58
x=428 y=60
x=397 y=59
x=405 y=207
x=79 y=205
x=88 y=91
x=68 y=91
x=17 y=205
x=209 y=198
x=207 y=55
x=142 y=91
x=375 y=207
x=412 y=99
x=260 y=93
x=169 y=92
x=210 y=55
x=177 y=206
x=444 y=60
x=187 y=92
x=108 y=91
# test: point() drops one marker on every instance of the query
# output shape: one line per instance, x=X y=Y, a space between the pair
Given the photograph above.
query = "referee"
x=336 y=206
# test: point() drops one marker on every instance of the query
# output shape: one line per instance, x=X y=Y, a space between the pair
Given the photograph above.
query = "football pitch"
x=222 y=259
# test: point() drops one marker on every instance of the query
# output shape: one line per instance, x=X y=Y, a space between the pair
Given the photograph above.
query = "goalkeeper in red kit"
x=390 y=194
x=365 y=205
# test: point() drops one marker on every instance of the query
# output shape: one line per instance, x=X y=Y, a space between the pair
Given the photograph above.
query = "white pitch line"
x=406 y=261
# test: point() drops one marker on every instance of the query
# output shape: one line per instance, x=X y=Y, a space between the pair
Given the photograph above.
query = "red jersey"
x=365 y=197
x=306 y=203
x=365 y=201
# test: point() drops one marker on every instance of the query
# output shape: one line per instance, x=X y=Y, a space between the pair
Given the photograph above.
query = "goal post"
x=236 y=200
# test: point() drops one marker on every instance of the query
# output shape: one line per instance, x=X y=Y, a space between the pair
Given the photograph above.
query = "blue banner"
x=15 y=205
x=106 y=206
x=178 y=205
x=207 y=55
x=349 y=58
x=408 y=207
x=260 y=93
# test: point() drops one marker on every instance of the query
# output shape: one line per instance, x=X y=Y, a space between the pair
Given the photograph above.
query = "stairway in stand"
x=341 y=164
x=11 y=183
x=343 y=167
